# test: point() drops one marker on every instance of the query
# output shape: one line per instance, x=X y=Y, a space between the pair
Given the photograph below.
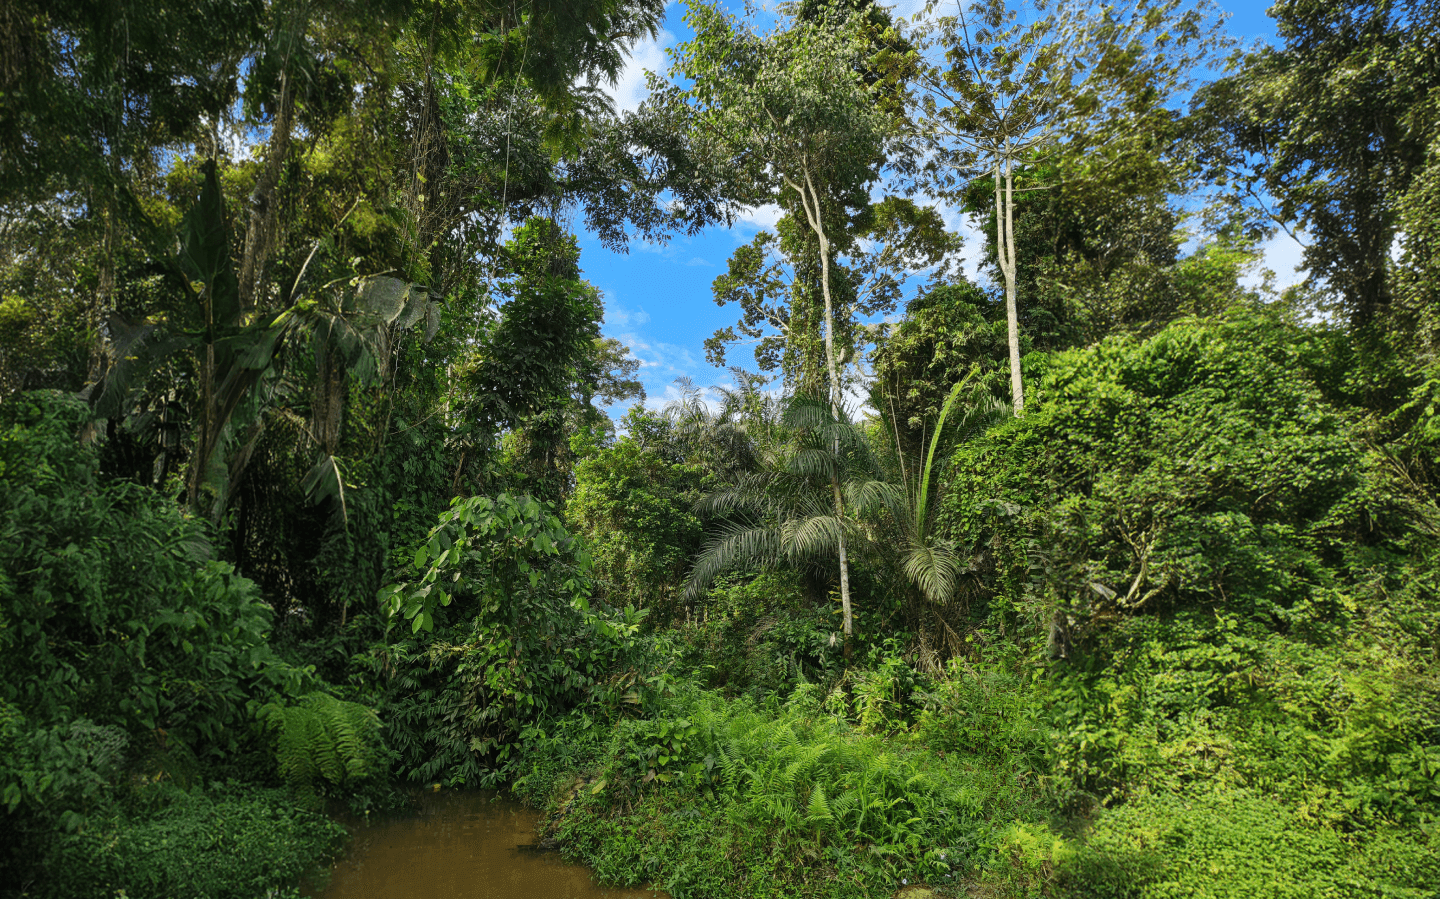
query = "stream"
x=459 y=845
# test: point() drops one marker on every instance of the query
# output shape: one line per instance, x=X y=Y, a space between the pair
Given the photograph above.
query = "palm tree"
x=931 y=562
x=800 y=505
x=785 y=511
x=731 y=435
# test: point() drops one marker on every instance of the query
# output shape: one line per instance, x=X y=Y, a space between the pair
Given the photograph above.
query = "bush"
x=758 y=635
x=231 y=843
x=126 y=653
x=59 y=772
x=1199 y=468
x=988 y=712
x=634 y=509
x=1232 y=600
x=112 y=616
x=322 y=738
x=1229 y=844
x=503 y=637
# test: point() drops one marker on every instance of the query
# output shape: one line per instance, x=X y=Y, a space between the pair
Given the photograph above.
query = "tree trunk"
x=104 y=301
x=264 y=210
x=208 y=431
x=1005 y=249
x=819 y=227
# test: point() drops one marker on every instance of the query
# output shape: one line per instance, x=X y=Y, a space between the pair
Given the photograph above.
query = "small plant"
x=323 y=738
x=663 y=747
x=882 y=693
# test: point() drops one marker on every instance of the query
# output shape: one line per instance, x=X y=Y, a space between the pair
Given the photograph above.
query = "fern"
x=323 y=738
x=817 y=811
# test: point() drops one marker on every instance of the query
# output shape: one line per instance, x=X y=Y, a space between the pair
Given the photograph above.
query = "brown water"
x=460 y=846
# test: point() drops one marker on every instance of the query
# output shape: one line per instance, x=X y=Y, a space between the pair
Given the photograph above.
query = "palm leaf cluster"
x=780 y=511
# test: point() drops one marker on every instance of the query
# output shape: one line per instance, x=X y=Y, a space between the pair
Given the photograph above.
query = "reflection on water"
x=460 y=846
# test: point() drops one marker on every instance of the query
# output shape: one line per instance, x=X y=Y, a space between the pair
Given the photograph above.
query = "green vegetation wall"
x=1234 y=594
x=634 y=509
x=110 y=608
x=129 y=663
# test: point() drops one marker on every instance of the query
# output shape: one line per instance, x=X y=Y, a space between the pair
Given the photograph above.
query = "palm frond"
x=935 y=569
x=738 y=546
x=815 y=536
x=871 y=497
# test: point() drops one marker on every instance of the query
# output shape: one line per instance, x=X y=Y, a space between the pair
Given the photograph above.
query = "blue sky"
x=657 y=297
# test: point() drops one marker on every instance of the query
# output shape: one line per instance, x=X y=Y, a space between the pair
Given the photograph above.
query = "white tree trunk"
x=1005 y=250
x=810 y=198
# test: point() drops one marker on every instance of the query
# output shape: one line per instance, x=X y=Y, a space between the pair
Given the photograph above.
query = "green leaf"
x=205 y=255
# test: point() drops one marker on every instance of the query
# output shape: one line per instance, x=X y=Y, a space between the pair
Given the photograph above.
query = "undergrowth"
x=1197 y=756
x=323 y=739
x=774 y=798
x=225 y=842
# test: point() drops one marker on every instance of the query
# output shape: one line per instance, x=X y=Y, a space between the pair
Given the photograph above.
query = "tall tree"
x=1327 y=131
x=774 y=280
x=1010 y=94
x=786 y=116
x=541 y=352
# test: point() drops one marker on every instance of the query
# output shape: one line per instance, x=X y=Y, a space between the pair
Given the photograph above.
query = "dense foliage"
x=1124 y=582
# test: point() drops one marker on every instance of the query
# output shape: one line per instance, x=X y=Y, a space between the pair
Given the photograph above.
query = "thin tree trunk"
x=1005 y=249
x=264 y=210
x=818 y=225
x=206 y=439
x=104 y=299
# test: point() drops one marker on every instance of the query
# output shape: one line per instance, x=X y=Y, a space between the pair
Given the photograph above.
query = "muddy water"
x=459 y=846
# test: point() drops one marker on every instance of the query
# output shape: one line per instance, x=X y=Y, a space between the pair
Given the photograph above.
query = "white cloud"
x=620 y=317
x=1284 y=256
x=698 y=261
x=659 y=359
x=972 y=252
x=905 y=9
x=629 y=90
x=761 y=218
x=661 y=364
x=856 y=399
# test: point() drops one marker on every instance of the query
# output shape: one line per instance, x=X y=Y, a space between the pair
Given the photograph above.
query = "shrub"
x=1201 y=467
x=231 y=843
x=111 y=613
x=503 y=637
x=987 y=712
x=59 y=772
x=758 y=635
x=1232 y=598
x=1232 y=844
